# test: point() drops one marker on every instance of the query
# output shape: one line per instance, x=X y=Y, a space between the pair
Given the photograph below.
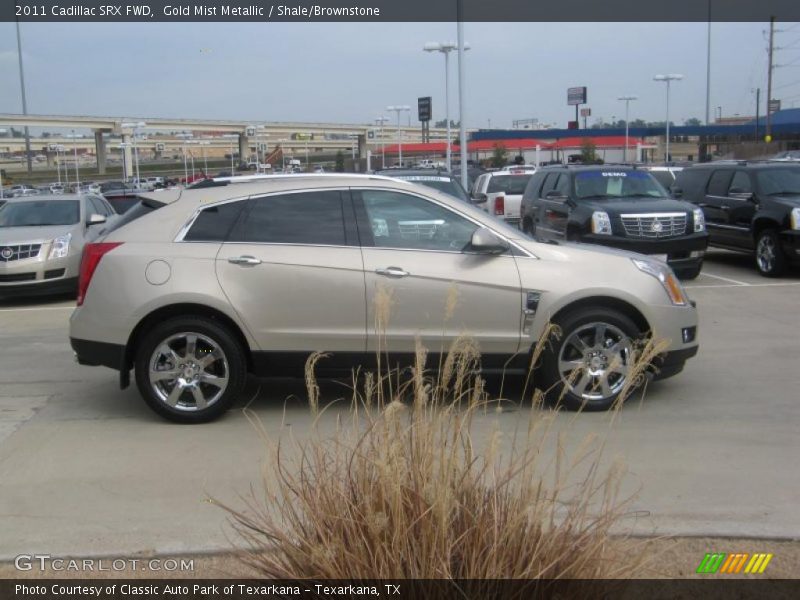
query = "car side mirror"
x=479 y=198
x=555 y=195
x=96 y=219
x=676 y=192
x=484 y=241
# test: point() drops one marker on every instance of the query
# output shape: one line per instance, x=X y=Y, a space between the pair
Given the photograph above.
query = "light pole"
x=398 y=110
x=122 y=147
x=203 y=144
x=445 y=48
x=24 y=100
x=380 y=122
x=135 y=126
x=627 y=100
x=184 y=136
x=3 y=132
x=667 y=79
x=74 y=137
x=462 y=137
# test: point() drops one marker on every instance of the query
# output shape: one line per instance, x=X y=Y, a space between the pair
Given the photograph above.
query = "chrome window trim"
x=185 y=228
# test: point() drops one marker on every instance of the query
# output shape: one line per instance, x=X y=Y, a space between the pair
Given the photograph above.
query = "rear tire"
x=770 y=260
x=190 y=369
x=588 y=367
x=528 y=227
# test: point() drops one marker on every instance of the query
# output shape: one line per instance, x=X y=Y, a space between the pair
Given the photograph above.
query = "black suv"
x=437 y=179
x=749 y=207
x=614 y=205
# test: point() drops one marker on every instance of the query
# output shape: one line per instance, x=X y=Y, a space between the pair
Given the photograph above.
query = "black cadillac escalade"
x=619 y=206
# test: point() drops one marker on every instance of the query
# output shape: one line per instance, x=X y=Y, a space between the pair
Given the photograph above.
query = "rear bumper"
x=99 y=354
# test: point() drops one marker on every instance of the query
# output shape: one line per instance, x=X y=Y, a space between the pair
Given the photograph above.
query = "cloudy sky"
x=351 y=72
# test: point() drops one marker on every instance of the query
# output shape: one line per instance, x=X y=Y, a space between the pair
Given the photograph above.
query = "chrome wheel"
x=188 y=372
x=766 y=253
x=595 y=361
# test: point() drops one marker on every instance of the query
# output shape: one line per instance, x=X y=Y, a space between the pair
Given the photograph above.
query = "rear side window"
x=214 y=223
x=512 y=185
x=305 y=218
x=692 y=183
x=718 y=184
x=741 y=183
x=534 y=185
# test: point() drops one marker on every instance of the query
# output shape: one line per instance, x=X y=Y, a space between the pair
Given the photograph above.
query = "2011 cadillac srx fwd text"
x=213 y=284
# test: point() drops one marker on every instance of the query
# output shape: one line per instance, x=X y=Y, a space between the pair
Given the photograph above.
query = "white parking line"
x=37 y=308
x=725 y=279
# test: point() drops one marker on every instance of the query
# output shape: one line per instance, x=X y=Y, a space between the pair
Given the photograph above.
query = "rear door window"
x=718 y=184
x=740 y=184
x=310 y=218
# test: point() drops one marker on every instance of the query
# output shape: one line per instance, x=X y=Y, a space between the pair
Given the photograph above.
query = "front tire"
x=190 y=369
x=770 y=260
x=590 y=365
x=689 y=273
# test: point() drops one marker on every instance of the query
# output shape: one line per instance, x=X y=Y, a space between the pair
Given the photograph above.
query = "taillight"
x=500 y=205
x=92 y=253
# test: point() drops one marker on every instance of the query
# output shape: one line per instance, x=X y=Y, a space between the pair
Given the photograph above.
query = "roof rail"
x=258 y=178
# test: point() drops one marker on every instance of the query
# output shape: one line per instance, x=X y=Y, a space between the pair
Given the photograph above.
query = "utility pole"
x=758 y=112
x=24 y=101
x=708 y=67
x=768 y=136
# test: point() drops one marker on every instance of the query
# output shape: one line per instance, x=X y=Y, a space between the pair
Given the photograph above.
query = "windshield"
x=513 y=185
x=774 y=182
x=442 y=184
x=40 y=213
x=596 y=185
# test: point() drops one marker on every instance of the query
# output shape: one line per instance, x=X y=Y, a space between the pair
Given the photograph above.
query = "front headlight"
x=795 y=218
x=699 y=220
x=60 y=247
x=601 y=223
x=667 y=278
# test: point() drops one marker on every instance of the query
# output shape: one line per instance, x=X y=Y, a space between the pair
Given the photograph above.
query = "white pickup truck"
x=500 y=192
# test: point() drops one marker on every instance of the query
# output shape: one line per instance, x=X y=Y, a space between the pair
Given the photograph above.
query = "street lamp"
x=667 y=79
x=627 y=101
x=184 y=136
x=445 y=48
x=380 y=122
x=74 y=137
x=3 y=132
x=135 y=126
x=398 y=110
x=203 y=143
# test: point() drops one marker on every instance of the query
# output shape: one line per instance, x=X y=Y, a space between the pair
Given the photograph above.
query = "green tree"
x=339 y=162
x=693 y=122
x=588 y=151
x=500 y=156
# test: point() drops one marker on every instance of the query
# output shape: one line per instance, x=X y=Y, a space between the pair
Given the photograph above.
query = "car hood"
x=572 y=251
x=11 y=235
x=790 y=200
x=640 y=205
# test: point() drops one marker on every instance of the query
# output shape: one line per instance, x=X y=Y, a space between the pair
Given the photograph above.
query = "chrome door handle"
x=244 y=260
x=395 y=272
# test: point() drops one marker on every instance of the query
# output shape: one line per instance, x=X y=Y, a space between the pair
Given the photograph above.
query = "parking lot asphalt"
x=87 y=469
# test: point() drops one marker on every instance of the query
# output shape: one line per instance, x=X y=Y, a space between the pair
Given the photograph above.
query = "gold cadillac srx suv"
x=215 y=283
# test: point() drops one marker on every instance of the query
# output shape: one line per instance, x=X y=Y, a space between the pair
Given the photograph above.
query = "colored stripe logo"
x=732 y=564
